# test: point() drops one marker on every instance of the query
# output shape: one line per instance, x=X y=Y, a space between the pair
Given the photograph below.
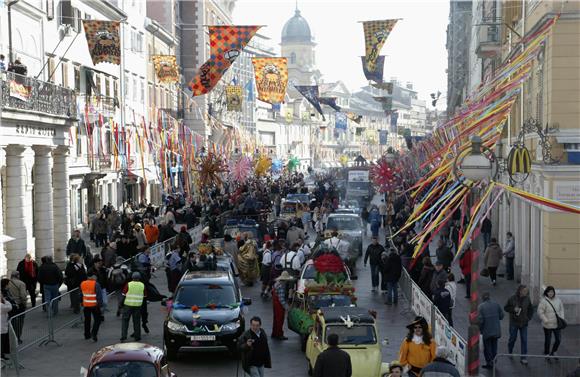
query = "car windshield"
x=358 y=185
x=343 y=223
x=325 y=301
x=203 y=295
x=358 y=334
x=124 y=369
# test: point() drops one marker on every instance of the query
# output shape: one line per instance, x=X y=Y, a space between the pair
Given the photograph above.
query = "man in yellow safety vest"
x=133 y=295
x=92 y=301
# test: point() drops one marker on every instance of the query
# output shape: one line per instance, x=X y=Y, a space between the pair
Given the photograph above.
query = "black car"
x=206 y=313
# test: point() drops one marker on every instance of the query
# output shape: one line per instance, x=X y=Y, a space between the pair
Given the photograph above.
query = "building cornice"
x=159 y=31
x=107 y=9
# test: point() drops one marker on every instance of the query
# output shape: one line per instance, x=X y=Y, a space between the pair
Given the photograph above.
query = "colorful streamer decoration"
x=310 y=92
x=166 y=68
x=226 y=44
x=271 y=78
x=104 y=41
x=209 y=170
x=241 y=170
x=384 y=176
x=376 y=34
x=234 y=98
x=375 y=74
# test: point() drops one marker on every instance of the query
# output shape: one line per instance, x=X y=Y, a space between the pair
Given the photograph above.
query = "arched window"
x=293 y=58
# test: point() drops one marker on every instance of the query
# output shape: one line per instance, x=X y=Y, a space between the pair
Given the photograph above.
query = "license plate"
x=202 y=338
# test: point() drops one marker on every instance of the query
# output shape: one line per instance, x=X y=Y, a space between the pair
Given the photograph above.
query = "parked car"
x=206 y=313
x=129 y=360
x=357 y=335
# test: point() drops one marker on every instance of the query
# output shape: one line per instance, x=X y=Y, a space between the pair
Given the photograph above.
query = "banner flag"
x=234 y=98
x=340 y=121
x=166 y=68
x=354 y=117
x=20 y=91
x=310 y=92
x=394 y=118
x=329 y=101
x=375 y=74
x=376 y=34
x=226 y=44
x=103 y=38
x=383 y=136
x=271 y=78
x=289 y=114
x=388 y=86
x=250 y=90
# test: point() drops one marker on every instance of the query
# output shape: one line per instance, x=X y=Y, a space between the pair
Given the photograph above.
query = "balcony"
x=99 y=104
x=488 y=41
x=28 y=94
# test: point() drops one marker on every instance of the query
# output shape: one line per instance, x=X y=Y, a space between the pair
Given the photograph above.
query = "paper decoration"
x=209 y=169
x=104 y=41
x=226 y=44
x=241 y=170
x=375 y=74
x=384 y=176
x=263 y=166
x=234 y=98
x=166 y=68
x=271 y=78
x=376 y=34
x=310 y=92
x=293 y=163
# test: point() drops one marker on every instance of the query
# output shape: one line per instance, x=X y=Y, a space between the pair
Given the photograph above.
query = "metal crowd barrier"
x=538 y=365
x=30 y=327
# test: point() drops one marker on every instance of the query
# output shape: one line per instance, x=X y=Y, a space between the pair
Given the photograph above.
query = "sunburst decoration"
x=263 y=165
x=277 y=166
x=384 y=176
x=209 y=169
x=241 y=170
x=293 y=163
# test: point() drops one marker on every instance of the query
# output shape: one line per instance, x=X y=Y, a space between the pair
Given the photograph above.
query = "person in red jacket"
x=465 y=264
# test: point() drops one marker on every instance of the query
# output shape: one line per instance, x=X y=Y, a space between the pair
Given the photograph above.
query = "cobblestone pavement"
x=288 y=360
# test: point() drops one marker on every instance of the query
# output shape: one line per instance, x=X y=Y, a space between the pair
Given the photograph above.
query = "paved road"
x=288 y=360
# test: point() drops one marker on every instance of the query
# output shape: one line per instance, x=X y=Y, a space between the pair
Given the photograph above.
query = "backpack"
x=276 y=262
x=117 y=277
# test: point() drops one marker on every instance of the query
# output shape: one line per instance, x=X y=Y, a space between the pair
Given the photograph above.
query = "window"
x=136 y=41
x=76 y=20
x=98 y=84
x=293 y=58
x=107 y=87
x=134 y=89
x=65 y=12
x=115 y=88
x=126 y=88
x=79 y=146
x=64 y=72
x=50 y=68
x=108 y=143
x=50 y=9
x=142 y=91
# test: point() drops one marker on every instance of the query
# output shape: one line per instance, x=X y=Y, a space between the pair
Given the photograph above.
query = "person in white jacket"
x=5 y=308
x=549 y=306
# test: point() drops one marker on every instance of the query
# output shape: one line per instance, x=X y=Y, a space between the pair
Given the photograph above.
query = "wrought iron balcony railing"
x=27 y=93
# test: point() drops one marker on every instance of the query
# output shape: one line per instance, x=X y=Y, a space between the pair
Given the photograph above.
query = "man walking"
x=373 y=255
x=50 y=277
x=134 y=294
x=392 y=270
x=92 y=301
x=76 y=245
x=255 y=351
x=486 y=232
x=489 y=316
x=444 y=254
x=521 y=311
x=333 y=362
x=441 y=366
x=509 y=254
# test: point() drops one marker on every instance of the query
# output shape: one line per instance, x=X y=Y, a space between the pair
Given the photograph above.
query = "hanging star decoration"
x=293 y=163
x=277 y=166
x=241 y=170
x=263 y=165
x=209 y=170
x=384 y=176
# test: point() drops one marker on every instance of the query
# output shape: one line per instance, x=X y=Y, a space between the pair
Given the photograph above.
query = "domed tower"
x=298 y=46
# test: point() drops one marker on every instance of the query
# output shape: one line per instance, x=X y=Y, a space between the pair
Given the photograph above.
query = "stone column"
x=43 y=211
x=15 y=206
x=61 y=204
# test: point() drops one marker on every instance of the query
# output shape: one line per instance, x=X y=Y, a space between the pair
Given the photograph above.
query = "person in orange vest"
x=92 y=301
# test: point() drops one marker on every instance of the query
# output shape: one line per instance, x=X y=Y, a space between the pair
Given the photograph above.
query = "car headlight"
x=232 y=326
x=176 y=326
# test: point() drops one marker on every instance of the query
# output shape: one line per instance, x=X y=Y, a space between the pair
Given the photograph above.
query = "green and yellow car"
x=357 y=334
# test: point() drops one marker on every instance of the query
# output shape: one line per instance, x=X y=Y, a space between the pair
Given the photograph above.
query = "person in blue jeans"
x=50 y=277
x=521 y=311
x=373 y=255
x=392 y=268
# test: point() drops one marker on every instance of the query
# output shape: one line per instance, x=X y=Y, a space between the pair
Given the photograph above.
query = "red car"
x=129 y=360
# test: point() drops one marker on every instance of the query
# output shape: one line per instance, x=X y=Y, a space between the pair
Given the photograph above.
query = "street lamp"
x=474 y=167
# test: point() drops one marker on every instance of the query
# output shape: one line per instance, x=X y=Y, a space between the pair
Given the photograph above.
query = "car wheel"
x=170 y=352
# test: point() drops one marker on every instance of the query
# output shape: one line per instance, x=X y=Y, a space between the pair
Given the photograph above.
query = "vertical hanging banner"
x=310 y=92
x=234 y=97
x=226 y=44
x=289 y=114
x=329 y=101
x=376 y=34
x=166 y=68
x=375 y=74
x=104 y=40
x=388 y=86
x=394 y=118
x=383 y=136
x=340 y=121
x=271 y=78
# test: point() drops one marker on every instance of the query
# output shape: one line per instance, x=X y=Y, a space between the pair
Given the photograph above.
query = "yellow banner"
x=104 y=41
x=166 y=68
x=289 y=115
x=376 y=34
x=234 y=97
x=271 y=78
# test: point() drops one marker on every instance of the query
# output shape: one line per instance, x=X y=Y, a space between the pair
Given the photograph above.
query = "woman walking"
x=493 y=255
x=549 y=309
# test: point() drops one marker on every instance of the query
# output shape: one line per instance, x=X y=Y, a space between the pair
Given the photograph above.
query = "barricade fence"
x=538 y=365
x=442 y=332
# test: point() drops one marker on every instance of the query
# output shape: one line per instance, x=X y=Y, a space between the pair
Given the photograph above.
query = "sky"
x=415 y=49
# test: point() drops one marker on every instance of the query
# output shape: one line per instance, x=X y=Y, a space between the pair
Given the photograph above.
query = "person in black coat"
x=75 y=274
x=76 y=245
x=28 y=269
x=392 y=269
x=50 y=279
x=254 y=347
x=373 y=254
x=333 y=362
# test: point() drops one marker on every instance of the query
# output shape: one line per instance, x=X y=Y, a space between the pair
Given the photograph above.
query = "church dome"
x=296 y=29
